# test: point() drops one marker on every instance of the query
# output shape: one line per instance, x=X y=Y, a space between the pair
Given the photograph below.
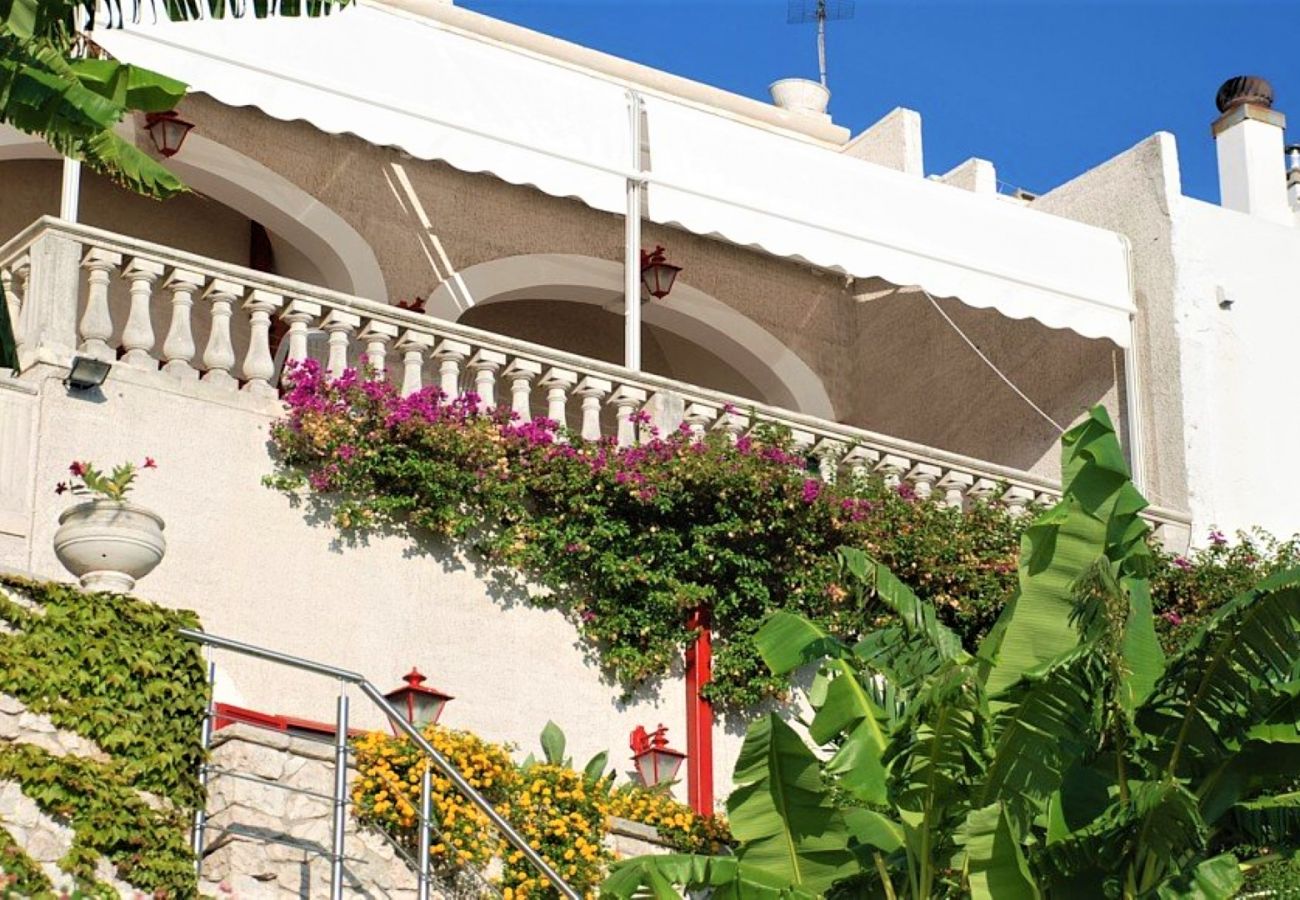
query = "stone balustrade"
x=73 y=289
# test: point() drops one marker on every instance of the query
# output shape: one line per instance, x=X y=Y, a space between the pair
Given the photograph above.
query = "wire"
x=988 y=362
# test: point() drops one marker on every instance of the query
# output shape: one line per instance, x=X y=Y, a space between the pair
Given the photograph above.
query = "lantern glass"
x=658 y=767
x=425 y=709
x=168 y=132
x=658 y=279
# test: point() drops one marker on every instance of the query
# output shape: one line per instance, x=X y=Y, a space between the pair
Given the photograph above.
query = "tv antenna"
x=821 y=12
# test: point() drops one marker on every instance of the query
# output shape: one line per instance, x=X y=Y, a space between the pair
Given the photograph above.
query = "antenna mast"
x=820 y=11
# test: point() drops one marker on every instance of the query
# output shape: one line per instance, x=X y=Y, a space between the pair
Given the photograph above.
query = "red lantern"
x=657 y=274
x=168 y=131
x=656 y=762
x=422 y=705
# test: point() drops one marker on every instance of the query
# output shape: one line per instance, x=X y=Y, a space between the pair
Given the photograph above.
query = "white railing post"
x=984 y=490
x=1017 y=499
x=138 y=337
x=860 y=462
x=413 y=345
x=51 y=276
x=97 y=321
x=698 y=417
x=626 y=401
x=592 y=390
x=829 y=453
x=732 y=423
x=259 y=365
x=297 y=313
x=922 y=478
x=219 y=354
x=340 y=326
x=178 y=348
x=377 y=336
x=954 y=486
x=451 y=355
x=13 y=298
x=891 y=468
x=521 y=373
x=558 y=382
x=485 y=364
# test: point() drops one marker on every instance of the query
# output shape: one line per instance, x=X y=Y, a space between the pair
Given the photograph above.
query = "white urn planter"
x=801 y=95
x=109 y=544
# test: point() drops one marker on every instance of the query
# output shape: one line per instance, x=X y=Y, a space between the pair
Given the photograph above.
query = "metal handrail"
x=443 y=765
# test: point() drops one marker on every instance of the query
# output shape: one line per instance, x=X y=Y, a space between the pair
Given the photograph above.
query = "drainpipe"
x=632 y=245
x=699 y=713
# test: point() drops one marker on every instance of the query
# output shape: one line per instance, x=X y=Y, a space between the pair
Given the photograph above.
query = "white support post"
x=485 y=364
x=70 y=193
x=632 y=245
x=178 y=347
x=138 y=336
x=297 y=313
x=259 y=366
x=97 y=321
x=626 y=401
x=377 y=336
x=521 y=373
x=558 y=382
x=413 y=345
x=592 y=390
x=922 y=478
x=451 y=355
x=219 y=354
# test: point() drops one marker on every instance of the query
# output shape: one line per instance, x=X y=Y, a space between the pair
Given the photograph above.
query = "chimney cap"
x=1243 y=89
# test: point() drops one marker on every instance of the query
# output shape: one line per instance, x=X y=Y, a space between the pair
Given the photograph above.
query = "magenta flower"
x=1172 y=618
x=77 y=468
x=1217 y=538
x=812 y=489
x=1182 y=562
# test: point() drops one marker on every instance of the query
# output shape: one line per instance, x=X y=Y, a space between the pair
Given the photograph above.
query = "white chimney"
x=1248 y=138
x=1293 y=175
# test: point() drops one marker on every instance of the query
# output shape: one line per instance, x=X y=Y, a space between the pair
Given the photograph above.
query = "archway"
x=316 y=241
x=747 y=354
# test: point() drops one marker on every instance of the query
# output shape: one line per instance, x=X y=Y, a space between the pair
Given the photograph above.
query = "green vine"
x=112 y=670
x=21 y=877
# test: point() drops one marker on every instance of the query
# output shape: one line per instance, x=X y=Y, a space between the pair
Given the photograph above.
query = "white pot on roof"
x=109 y=544
x=801 y=95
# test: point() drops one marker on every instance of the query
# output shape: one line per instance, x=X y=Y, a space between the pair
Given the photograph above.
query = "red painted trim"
x=699 y=714
x=225 y=714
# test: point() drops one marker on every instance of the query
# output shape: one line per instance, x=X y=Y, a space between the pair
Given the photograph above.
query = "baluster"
x=219 y=354
x=259 y=366
x=558 y=383
x=984 y=490
x=485 y=364
x=377 y=336
x=413 y=345
x=891 y=468
x=732 y=423
x=12 y=304
x=698 y=417
x=451 y=355
x=297 y=313
x=178 y=348
x=626 y=400
x=860 y=461
x=954 y=486
x=1047 y=498
x=922 y=478
x=340 y=326
x=97 y=322
x=1017 y=500
x=592 y=390
x=829 y=453
x=521 y=373
x=137 y=336
x=16 y=294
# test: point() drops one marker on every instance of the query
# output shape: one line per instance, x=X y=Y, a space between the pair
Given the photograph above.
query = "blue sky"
x=1045 y=89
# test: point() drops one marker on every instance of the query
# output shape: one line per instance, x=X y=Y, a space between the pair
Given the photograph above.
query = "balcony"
x=219 y=332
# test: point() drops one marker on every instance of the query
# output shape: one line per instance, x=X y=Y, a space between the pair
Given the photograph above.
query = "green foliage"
x=49 y=90
x=20 y=876
x=113 y=670
x=553 y=742
x=1067 y=760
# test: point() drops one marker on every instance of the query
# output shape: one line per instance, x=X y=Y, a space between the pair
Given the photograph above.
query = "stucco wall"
x=1238 y=375
x=258 y=569
x=1132 y=193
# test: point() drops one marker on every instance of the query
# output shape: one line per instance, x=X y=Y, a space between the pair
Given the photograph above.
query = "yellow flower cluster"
x=561 y=814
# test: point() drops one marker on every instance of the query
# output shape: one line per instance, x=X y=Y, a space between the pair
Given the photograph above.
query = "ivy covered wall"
x=113 y=679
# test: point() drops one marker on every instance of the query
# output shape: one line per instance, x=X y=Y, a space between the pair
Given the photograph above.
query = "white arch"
x=773 y=368
x=346 y=261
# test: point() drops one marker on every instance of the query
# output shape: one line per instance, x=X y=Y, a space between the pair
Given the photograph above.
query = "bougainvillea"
x=562 y=813
x=628 y=539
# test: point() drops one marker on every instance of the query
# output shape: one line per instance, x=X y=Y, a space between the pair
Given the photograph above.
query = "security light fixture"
x=168 y=131
x=657 y=274
x=421 y=705
x=656 y=762
x=86 y=373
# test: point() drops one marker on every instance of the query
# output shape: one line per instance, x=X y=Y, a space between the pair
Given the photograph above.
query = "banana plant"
x=1065 y=759
x=50 y=86
x=553 y=742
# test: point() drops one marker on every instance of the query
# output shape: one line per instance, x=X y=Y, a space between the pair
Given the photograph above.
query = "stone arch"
x=755 y=353
x=345 y=260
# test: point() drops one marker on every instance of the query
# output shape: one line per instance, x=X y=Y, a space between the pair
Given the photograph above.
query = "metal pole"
x=632 y=246
x=70 y=196
x=340 y=794
x=205 y=740
x=426 y=814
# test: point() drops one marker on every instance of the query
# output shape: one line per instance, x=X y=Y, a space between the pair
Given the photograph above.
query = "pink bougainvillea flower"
x=1172 y=618
x=1217 y=538
x=77 y=468
x=150 y=463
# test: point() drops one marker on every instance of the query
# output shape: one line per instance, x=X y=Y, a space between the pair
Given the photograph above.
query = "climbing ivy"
x=113 y=670
x=21 y=876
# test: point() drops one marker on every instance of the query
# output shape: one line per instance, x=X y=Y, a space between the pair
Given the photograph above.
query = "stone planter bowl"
x=800 y=95
x=109 y=544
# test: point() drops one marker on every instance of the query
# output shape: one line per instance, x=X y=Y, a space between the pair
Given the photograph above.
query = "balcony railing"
x=77 y=289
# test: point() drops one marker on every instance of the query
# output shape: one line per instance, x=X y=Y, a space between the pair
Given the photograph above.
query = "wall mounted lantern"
x=656 y=762
x=168 y=131
x=421 y=705
x=657 y=274
x=86 y=373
